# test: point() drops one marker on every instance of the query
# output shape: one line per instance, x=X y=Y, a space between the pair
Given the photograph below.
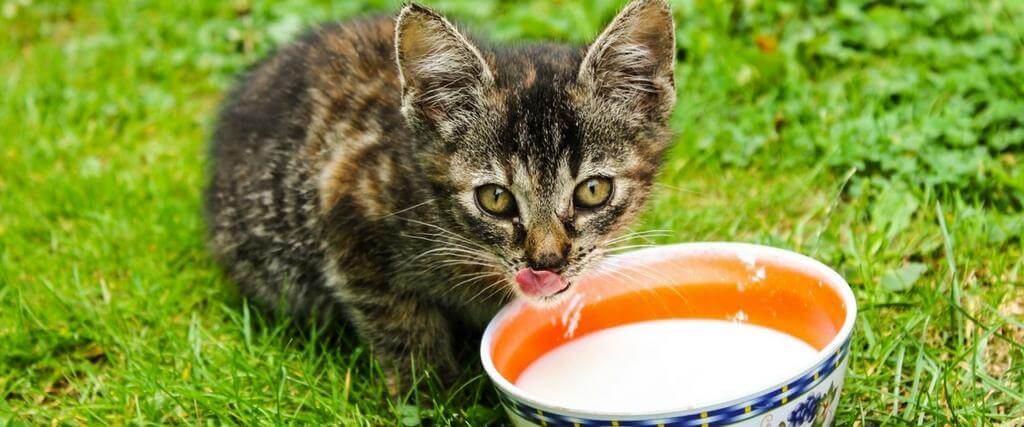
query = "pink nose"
x=541 y=283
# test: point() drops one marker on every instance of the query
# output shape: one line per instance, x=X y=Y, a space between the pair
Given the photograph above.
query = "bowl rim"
x=797 y=260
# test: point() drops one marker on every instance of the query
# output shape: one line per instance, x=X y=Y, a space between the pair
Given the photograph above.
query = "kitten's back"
x=325 y=99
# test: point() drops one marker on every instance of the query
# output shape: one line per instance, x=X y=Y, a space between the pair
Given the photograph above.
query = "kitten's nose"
x=550 y=261
x=547 y=248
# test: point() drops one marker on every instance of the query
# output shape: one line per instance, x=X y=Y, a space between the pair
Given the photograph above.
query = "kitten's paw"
x=408 y=375
x=394 y=383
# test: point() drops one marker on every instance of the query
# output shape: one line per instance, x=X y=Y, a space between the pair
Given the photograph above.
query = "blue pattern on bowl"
x=731 y=414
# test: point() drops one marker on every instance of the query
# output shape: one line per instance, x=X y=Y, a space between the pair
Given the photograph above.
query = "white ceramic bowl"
x=772 y=287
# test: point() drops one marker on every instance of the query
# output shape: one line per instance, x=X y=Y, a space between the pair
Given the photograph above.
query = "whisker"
x=449 y=250
x=431 y=238
x=645 y=235
x=647 y=292
x=652 y=230
x=406 y=209
x=452 y=251
x=496 y=282
x=679 y=189
x=651 y=275
x=627 y=247
x=472 y=278
x=646 y=232
x=622 y=273
x=448 y=254
x=655 y=277
x=497 y=291
x=443 y=230
x=452 y=262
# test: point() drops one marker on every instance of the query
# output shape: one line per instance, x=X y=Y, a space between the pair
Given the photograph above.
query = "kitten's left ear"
x=631 y=64
x=442 y=73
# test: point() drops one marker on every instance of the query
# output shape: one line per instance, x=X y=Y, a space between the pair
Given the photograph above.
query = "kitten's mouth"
x=541 y=284
x=562 y=291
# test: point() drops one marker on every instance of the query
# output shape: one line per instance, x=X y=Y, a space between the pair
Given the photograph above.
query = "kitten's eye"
x=496 y=200
x=593 y=192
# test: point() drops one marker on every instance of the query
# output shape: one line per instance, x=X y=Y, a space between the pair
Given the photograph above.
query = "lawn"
x=885 y=138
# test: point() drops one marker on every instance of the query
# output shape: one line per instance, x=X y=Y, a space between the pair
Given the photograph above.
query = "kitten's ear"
x=442 y=73
x=632 y=62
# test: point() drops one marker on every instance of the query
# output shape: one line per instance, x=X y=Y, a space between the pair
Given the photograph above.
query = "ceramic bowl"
x=764 y=286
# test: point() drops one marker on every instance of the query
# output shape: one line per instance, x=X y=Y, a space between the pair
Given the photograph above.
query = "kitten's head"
x=538 y=155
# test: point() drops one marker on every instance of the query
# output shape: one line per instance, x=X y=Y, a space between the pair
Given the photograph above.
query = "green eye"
x=496 y=200
x=593 y=192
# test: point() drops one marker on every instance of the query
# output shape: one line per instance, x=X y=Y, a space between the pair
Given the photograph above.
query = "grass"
x=882 y=137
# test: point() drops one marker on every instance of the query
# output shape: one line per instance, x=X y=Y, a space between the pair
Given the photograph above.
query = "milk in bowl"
x=716 y=334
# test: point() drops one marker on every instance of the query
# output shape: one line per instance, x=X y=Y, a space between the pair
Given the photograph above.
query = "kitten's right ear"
x=442 y=73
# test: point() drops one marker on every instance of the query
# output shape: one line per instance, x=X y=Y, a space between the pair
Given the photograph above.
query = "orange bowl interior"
x=697 y=286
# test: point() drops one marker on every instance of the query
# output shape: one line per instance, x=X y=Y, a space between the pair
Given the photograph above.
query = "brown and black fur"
x=343 y=168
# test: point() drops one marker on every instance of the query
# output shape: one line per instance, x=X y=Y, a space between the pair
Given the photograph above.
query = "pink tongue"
x=539 y=283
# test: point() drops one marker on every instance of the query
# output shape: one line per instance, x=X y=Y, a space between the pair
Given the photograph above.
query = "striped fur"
x=344 y=168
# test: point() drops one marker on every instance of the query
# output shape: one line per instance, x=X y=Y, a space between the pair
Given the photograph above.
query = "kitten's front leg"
x=405 y=333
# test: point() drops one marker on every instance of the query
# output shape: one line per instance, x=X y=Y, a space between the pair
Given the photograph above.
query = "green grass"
x=882 y=137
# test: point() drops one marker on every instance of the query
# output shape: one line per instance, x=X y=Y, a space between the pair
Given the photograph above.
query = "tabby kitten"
x=403 y=178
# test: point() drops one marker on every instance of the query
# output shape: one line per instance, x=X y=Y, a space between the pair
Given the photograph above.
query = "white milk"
x=665 y=365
